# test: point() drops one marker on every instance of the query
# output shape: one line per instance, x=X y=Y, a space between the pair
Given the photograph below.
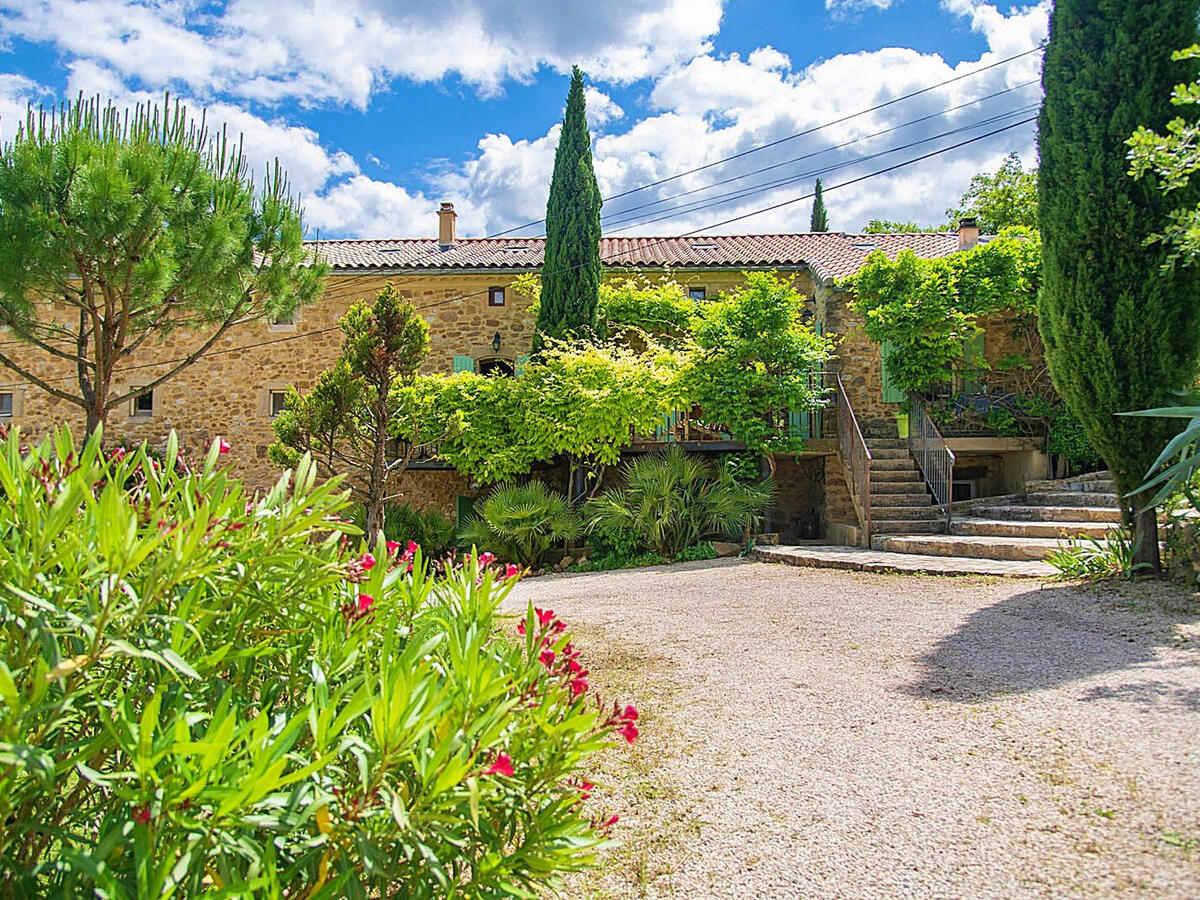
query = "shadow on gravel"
x=1054 y=635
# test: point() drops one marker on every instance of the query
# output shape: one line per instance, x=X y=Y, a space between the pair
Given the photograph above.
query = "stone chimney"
x=446 y=217
x=968 y=233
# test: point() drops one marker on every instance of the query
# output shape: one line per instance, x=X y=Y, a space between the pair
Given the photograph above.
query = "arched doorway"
x=496 y=365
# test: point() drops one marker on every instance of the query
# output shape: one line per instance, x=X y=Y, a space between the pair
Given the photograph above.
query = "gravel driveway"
x=817 y=733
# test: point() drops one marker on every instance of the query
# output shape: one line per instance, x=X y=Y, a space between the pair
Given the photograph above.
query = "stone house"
x=479 y=321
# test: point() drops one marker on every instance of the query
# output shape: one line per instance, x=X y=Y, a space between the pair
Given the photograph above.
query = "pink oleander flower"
x=223 y=447
x=545 y=616
x=512 y=571
x=579 y=686
x=367 y=561
x=486 y=559
x=630 y=713
x=629 y=732
x=521 y=627
x=609 y=822
x=547 y=658
x=412 y=548
x=392 y=547
x=503 y=765
x=364 y=603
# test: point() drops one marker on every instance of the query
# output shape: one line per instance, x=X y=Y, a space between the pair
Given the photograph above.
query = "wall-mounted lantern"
x=496 y=342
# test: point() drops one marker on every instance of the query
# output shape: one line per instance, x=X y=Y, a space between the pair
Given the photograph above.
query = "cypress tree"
x=571 y=271
x=820 y=221
x=1120 y=330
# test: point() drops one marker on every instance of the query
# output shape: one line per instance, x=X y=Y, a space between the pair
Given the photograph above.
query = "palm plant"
x=521 y=522
x=672 y=500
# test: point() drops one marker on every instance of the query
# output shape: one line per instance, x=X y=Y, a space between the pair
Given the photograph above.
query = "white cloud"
x=16 y=93
x=343 y=51
x=601 y=108
x=841 y=8
x=363 y=207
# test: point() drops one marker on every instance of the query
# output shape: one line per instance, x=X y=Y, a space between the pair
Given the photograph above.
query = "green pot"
x=902 y=425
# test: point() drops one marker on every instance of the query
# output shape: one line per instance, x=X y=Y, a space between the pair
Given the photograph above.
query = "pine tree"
x=571 y=271
x=820 y=221
x=1120 y=330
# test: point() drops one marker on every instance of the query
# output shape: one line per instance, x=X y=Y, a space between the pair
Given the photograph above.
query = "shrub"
x=203 y=691
x=521 y=522
x=672 y=500
x=429 y=530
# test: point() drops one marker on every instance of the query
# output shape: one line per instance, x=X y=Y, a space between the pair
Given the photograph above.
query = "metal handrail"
x=856 y=457
x=934 y=457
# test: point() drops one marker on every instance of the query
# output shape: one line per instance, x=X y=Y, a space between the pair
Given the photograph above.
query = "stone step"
x=904 y=464
x=880 y=512
x=886 y=443
x=1019 y=512
x=1072 y=498
x=889 y=453
x=908 y=486
x=884 y=499
x=908 y=526
x=860 y=559
x=910 y=474
x=1009 y=528
x=1028 y=549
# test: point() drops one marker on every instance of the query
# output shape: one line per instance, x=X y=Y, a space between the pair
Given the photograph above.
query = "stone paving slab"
x=863 y=560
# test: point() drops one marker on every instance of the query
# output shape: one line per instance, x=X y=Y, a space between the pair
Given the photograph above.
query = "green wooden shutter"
x=798 y=424
x=464 y=363
x=464 y=512
x=891 y=391
x=973 y=361
x=522 y=362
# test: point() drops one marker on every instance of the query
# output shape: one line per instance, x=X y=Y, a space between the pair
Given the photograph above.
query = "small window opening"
x=698 y=293
x=495 y=296
x=6 y=404
x=278 y=399
x=143 y=404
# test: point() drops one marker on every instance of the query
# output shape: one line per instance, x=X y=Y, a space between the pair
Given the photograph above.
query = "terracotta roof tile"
x=830 y=255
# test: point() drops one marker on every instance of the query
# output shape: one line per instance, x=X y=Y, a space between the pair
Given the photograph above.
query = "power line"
x=742 y=193
x=799 y=134
x=824 y=150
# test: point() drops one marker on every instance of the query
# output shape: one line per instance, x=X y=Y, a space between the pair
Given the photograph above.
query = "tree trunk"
x=377 y=479
x=1145 y=542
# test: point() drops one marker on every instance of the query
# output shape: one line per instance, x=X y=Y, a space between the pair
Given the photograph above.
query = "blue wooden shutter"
x=891 y=392
x=522 y=362
x=464 y=363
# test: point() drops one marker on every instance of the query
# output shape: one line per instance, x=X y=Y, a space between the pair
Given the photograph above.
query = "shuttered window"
x=464 y=363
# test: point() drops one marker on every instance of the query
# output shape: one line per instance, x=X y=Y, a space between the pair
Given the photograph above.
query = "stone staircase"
x=1021 y=528
x=900 y=500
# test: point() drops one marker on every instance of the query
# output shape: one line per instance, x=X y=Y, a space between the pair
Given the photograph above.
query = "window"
x=277 y=399
x=6 y=404
x=495 y=296
x=496 y=366
x=143 y=404
x=697 y=293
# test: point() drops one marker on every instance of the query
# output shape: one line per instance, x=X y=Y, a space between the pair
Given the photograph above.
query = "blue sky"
x=381 y=109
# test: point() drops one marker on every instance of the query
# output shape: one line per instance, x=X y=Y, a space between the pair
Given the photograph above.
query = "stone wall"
x=227 y=392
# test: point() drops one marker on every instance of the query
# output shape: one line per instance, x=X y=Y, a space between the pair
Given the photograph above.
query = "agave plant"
x=521 y=522
x=1179 y=461
x=672 y=500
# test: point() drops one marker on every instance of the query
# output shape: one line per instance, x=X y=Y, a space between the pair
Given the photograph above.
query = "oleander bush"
x=205 y=692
